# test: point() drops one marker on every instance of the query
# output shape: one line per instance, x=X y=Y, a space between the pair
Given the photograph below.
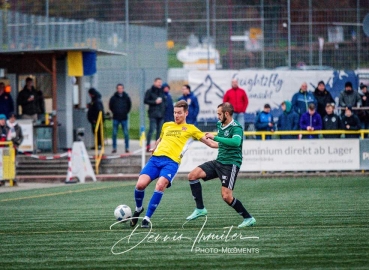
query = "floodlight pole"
x=289 y=32
x=310 y=33
x=208 y=30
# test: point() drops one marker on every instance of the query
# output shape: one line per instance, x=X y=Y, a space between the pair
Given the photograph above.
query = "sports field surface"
x=302 y=223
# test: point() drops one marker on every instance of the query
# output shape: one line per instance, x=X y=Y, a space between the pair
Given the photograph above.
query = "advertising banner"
x=285 y=155
x=262 y=86
x=364 y=154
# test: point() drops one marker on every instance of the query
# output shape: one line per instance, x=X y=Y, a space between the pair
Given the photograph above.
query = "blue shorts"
x=161 y=166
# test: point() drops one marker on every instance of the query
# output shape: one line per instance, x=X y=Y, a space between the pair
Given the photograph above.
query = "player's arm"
x=208 y=142
x=234 y=141
x=155 y=145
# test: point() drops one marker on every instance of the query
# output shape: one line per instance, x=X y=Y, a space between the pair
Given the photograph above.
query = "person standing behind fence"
x=364 y=114
x=193 y=104
x=28 y=99
x=288 y=120
x=94 y=108
x=323 y=97
x=264 y=122
x=302 y=99
x=239 y=100
x=331 y=121
x=348 y=98
x=351 y=122
x=6 y=101
x=155 y=98
x=311 y=121
x=169 y=108
x=120 y=105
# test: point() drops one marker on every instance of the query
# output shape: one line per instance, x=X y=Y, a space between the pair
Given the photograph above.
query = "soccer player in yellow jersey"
x=165 y=160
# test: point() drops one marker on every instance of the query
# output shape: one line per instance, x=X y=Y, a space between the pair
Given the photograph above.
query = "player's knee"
x=161 y=186
x=140 y=186
x=191 y=176
x=227 y=197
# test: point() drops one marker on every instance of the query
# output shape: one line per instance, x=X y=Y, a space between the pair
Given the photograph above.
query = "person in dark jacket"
x=288 y=120
x=311 y=121
x=364 y=114
x=331 y=121
x=156 y=99
x=14 y=131
x=349 y=97
x=323 y=97
x=120 y=105
x=264 y=122
x=351 y=122
x=94 y=108
x=169 y=108
x=6 y=101
x=28 y=99
x=193 y=104
x=302 y=99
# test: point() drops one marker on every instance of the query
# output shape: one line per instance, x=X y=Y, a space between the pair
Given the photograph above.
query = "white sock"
x=147 y=218
x=138 y=209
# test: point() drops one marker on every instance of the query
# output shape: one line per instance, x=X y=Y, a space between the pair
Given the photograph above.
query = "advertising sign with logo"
x=364 y=154
x=262 y=86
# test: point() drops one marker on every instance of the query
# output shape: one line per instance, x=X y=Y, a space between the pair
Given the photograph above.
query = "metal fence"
x=247 y=34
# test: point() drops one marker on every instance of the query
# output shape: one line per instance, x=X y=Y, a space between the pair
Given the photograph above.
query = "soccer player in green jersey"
x=225 y=167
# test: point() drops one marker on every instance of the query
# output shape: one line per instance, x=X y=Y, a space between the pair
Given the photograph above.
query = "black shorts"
x=226 y=173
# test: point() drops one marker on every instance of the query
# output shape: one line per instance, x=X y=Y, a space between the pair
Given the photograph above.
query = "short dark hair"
x=227 y=107
x=181 y=104
x=119 y=84
x=266 y=106
x=311 y=106
x=187 y=86
x=156 y=79
x=29 y=79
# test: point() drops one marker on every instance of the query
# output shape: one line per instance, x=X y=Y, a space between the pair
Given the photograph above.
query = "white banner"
x=27 y=131
x=285 y=155
x=261 y=86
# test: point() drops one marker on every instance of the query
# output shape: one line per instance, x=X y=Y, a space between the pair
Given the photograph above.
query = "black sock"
x=237 y=205
x=197 y=193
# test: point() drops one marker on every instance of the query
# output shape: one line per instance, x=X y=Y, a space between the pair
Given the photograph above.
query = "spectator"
x=288 y=120
x=264 y=121
x=155 y=98
x=6 y=101
x=28 y=99
x=364 y=114
x=349 y=97
x=14 y=131
x=351 y=122
x=3 y=136
x=94 y=108
x=302 y=99
x=323 y=97
x=331 y=121
x=193 y=104
x=311 y=121
x=120 y=105
x=169 y=108
x=238 y=98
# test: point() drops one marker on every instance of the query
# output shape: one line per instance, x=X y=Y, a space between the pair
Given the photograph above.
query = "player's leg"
x=205 y=171
x=143 y=181
x=168 y=170
x=228 y=179
x=161 y=185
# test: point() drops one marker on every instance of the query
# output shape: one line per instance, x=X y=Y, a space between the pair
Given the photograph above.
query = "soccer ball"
x=122 y=212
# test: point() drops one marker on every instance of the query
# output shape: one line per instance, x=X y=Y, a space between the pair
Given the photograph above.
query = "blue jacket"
x=6 y=104
x=301 y=100
x=262 y=121
x=288 y=120
x=314 y=121
x=193 y=108
x=169 y=110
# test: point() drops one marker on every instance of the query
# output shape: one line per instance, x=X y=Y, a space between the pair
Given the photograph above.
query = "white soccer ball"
x=122 y=212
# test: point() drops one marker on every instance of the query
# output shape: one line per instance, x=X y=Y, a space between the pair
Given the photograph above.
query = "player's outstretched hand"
x=209 y=135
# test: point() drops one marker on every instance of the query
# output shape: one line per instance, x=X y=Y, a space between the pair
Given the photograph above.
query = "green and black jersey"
x=230 y=139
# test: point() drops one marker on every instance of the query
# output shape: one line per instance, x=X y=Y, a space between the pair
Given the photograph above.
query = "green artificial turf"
x=303 y=223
